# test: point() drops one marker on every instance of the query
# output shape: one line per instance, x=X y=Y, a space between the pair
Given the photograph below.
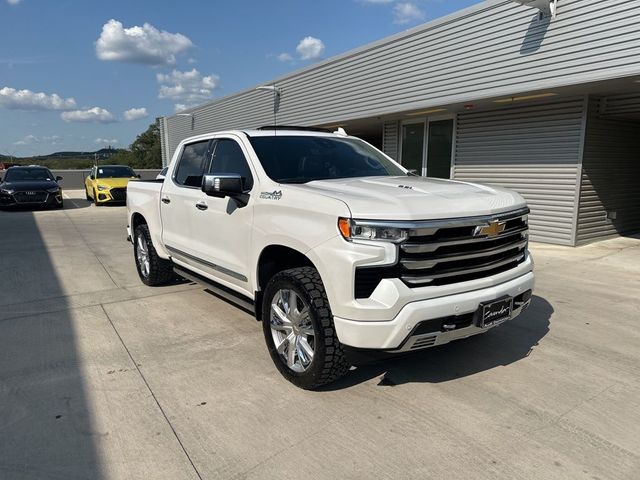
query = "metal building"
x=541 y=96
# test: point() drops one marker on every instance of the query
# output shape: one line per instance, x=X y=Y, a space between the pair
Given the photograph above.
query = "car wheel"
x=60 y=205
x=86 y=194
x=299 y=331
x=152 y=269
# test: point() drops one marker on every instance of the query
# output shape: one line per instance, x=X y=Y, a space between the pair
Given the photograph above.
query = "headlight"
x=102 y=187
x=53 y=190
x=7 y=191
x=364 y=230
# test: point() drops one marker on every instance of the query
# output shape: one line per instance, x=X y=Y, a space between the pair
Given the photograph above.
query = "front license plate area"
x=495 y=312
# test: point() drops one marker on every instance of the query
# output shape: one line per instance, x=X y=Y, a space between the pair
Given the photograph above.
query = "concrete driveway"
x=104 y=378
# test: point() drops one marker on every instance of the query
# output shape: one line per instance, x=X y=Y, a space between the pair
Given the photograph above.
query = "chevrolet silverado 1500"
x=332 y=244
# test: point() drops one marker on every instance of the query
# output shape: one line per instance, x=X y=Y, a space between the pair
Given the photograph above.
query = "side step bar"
x=218 y=290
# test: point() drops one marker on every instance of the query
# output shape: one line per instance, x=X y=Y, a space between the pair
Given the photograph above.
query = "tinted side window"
x=191 y=166
x=228 y=158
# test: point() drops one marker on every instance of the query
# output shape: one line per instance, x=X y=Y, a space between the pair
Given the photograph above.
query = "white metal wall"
x=535 y=150
x=610 y=173
x=495 y=48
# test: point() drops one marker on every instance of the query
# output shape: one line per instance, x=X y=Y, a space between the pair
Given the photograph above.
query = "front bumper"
x=40 y=199
x=400 y=334
x=113 y=195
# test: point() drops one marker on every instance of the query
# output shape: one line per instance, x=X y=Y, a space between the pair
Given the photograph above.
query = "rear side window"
x=192 y=164
x=228 y=158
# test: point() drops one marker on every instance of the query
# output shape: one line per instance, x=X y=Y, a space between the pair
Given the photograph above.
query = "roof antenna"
x=276 y=102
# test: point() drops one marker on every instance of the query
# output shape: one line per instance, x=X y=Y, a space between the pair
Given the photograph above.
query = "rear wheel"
x=299 y=331
x=152 y=269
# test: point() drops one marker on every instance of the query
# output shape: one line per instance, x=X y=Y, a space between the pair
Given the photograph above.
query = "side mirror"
x=92 y=177
x=222 y=185
x=58 y=178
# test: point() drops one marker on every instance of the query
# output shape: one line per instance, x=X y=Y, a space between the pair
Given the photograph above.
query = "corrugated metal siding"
x=610 y=176
x=495 y=48
x=164 y=140
x=621 y=106
x=390 y=140
x=534 y=150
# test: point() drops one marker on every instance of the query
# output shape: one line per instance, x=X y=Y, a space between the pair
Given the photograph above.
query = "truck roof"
x=270 y=132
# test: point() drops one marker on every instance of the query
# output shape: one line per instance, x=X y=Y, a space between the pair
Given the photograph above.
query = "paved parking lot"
x=104 y=378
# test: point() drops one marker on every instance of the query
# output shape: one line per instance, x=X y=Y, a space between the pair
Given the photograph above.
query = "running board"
x=218 y=290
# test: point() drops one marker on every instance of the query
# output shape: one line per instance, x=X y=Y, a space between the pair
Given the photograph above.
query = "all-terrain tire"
x=160 y=271
x=329 y=360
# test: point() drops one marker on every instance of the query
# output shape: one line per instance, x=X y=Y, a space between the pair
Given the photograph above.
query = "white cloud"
x=13 y=2
x=186 y=88
x=179 y=107
x=407 y=12
x=33 y=140
x=284 y=57
x=146 y=44
x=135 y=114
x=28 y=100
x=310 y=48
x=95 y=114
x=106 y=141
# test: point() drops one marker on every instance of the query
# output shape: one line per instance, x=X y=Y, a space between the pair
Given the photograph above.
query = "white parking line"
x=64 y=194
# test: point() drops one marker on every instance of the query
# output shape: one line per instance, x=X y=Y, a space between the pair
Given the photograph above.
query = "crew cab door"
x=178 y=198
x=222 y=227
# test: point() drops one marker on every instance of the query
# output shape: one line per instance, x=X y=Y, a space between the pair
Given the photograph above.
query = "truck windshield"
x=115 y=172
x=302 y=159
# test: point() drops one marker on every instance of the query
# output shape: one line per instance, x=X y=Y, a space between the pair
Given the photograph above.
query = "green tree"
x=146 y=151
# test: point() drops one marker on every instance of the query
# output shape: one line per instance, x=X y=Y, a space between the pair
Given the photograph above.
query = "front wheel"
x=299 y=331
x=152 y=269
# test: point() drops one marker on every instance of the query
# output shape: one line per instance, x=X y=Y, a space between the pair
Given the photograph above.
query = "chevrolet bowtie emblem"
x=494 y=229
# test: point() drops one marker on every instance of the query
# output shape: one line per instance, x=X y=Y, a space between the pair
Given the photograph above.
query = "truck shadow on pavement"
x=503 y=345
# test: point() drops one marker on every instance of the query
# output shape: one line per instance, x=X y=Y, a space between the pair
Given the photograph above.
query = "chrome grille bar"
x=461 y=271
x=428 y=247
x=419 y=264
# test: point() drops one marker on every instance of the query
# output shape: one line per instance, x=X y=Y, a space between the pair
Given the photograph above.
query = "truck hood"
x=415 y=198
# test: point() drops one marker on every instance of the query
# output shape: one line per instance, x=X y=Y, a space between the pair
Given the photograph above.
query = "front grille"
x=119 y=194
x=452 y=251
x=30 y=197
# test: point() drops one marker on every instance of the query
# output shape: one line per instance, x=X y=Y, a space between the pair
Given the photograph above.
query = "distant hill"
x=66 y=159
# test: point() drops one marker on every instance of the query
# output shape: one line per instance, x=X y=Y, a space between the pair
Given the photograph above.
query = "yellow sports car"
x=108 y=183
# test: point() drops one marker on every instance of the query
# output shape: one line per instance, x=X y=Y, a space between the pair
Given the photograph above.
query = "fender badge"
x=275 y=195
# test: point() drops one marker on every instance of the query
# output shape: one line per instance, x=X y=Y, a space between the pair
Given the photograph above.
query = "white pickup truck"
x=332 y=244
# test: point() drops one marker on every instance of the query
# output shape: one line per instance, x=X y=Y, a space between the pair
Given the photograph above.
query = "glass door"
x=412 y=146
x=439 y=148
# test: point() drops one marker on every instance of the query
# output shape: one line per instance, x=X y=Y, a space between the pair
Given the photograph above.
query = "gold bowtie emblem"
x=494 y=229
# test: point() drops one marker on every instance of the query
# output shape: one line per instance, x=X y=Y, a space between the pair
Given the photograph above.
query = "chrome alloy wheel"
x=292 y=329
x=142 y=255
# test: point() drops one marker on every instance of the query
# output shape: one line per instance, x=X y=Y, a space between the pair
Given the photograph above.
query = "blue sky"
x=80 y=74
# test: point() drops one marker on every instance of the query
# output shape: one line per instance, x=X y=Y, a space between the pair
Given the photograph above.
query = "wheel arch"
x=273 y=259
x=137 y=219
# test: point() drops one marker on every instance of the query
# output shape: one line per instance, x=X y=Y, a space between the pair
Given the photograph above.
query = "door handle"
x=202 y=206
x=166 y=200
